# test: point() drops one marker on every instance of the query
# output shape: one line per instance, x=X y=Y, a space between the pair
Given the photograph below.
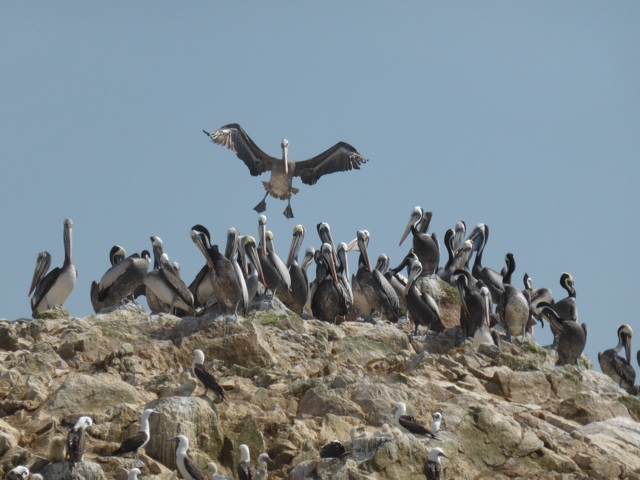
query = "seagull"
x=339 y=158
x=410 y=424
x=206 y=376
x=76 y=441
x=433 y=467
x=187 y=467
x=140 y=439
x=245 y=469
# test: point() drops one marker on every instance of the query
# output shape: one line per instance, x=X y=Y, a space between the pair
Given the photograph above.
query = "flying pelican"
x=140 y=439
x=617 y=367
x=410 y=424
x=77 y=440
x=116 y=254
x=339 y=158
x=425 y=246
x=55 y=287
x=299 y=279
x=245 y=469
x=572 y=337
x=122 y=279
x=433 y=467
x=206 y=376
x=187 y=467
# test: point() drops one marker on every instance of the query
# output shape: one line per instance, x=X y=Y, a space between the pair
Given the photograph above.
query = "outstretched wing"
x=339 y=158
x=236 y=139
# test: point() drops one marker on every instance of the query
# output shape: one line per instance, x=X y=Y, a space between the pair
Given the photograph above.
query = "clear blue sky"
x=524 y=116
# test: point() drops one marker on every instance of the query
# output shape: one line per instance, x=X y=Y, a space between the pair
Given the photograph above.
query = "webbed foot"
x=288 y=212
x=261 y=207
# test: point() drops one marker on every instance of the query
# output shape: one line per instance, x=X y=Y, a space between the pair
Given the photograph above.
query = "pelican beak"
x=297 y=238
x=363 y=249
x=413 y=219
x=252 y=253
x=197 y=239
x=414 y=271
x=353 y=245
x=262 y=231
x=460 y=287
x=627 y=348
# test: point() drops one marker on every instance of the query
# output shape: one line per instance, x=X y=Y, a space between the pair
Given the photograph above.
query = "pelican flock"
x=247 y=274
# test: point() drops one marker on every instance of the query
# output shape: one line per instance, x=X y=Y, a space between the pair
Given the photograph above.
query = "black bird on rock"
x=206 y=376
x=339 y=158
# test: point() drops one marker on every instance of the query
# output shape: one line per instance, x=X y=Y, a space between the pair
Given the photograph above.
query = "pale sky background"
x=521 y=115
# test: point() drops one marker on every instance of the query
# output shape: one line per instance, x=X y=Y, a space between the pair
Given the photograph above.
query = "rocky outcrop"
x=292 y=385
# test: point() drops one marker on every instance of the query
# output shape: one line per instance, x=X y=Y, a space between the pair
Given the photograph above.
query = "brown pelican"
x=309 y=257
x=572 y=337
x=168 y=287
x=425 y=246
x=116 y=254
x=329 y=300
x=433 y=467
x=423 y=309
x=206 y=376
x=55 y=287
x=617 y=367
x=513 y=306
x=299 y=280
x=245 y=469
x=483 y=334
x=227 y=278
x=254 y=276
x=410 y=424
x=339 y=158
x=491 y=278
x=536 y=296
x=375 y=288
x=77 y=440
x=459 y=231
x=276 y=275
x=140 y=439
x=155 y=305
x=566 y=308
x=187 y=467
x=472 y=308
x=397 y=281
x=122 y=279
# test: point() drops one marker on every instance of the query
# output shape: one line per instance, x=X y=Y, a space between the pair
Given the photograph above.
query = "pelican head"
x=566 y=281
x=285 y=154
x=624 y=340
x=416 y=216
x=415 y=269
x=117 y=254
x=200 y=236
x=298 y=236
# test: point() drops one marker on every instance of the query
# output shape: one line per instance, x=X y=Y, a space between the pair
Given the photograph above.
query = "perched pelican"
x=572 y=337
x=617 y=367
x=116 y=255
x=433 y=467
x=513 y=307
x=168 y=287
x=329 y=300
x=375 y=288
x=133 y=474
x=423 y=309
x=55 y=287
x=492 y=279
x=254 y=276
x=77 y=440
x=536 y=296
x=227 y=279
x=410 y=424
x=309 y=257
x=122 y=279
x=339 y=158
x=566 y=308
x=140 y=439
x=483 y=335
x=472 y=308
x=155 y=305
x=276 y=275
x=245 y=469
x=425 y=246
x=334 y=449
x=459 y=231
x=397 y=281
x=206 y=376
x=187 y=467
x=299 y=279
x=263 y=467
